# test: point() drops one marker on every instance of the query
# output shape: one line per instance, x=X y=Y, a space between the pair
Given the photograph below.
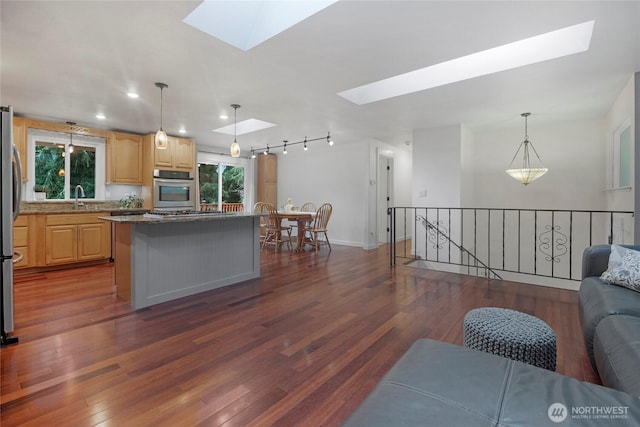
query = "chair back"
x=322 y=216
x=308 y=207
x=272 y=220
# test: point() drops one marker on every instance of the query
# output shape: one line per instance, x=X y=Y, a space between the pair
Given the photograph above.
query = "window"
x=220 y=183
x=56 y=172
x=622 y=156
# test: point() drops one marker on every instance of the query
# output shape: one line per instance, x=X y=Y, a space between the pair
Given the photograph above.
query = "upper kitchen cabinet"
x=124 y=157
x=180 y=154
x=20 y=140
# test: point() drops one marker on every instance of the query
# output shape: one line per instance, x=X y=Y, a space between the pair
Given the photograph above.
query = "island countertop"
x=150 y=219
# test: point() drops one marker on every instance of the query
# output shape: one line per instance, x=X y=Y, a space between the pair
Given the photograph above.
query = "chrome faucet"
x=76 y=203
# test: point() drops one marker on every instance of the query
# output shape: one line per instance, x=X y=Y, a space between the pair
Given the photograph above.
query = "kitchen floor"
x=301 y=345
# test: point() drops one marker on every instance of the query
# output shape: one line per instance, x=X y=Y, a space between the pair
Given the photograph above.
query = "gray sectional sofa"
x=440 y=384
x=610 y=318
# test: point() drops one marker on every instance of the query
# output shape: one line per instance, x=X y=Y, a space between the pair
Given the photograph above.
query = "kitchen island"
x=160 y=259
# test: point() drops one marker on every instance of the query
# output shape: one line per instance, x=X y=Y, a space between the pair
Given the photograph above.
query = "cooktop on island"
x=182 y=213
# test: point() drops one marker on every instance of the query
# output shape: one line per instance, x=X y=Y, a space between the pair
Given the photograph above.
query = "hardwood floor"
x=301 y=346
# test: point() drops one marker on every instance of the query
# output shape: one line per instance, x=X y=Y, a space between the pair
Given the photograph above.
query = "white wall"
x=344 y=175
x=573 y=152
x=336 y=175
x=437 y=167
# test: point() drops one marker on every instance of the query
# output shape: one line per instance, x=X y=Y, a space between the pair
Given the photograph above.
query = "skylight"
x=246 y=24
x=245 y=126
x=563 y=42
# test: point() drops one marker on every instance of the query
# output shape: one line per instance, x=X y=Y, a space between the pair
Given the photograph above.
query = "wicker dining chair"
x=262 y=208
x=320 y=227
x=275 y=231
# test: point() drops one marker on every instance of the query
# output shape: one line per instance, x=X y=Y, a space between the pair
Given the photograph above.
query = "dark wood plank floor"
x=301 y=346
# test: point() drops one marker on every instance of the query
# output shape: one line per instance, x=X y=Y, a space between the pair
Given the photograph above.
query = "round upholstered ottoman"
x=508 y=333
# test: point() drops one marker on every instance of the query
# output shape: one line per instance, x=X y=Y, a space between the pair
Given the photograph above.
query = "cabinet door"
x=183 y=154
x=90 y=241
x=60 y=244
x=21 y=241
x=163 y=158
x=20 y=140
x=125 y=159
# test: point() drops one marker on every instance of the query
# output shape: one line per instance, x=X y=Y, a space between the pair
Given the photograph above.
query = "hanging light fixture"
x=71 y=125
x=161 y=139
x=526 y=173
x=284 y=150
x=235 y=147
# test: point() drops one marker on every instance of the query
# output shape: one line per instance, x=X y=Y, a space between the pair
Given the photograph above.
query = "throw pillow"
x=617 y=252
x=627 y=273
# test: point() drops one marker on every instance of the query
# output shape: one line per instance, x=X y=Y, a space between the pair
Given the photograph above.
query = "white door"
x=385 y=196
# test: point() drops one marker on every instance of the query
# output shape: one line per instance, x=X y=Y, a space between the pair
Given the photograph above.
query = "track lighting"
x=286 y=144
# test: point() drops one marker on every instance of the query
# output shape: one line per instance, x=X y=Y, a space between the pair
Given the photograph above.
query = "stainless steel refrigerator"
x=10 y=195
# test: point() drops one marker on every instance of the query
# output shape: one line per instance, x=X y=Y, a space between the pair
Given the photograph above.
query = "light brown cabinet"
x=124 y=158
x=23 y=240
x=267 y=190
x=71 y=238
x=20 y=140
x=180 y=154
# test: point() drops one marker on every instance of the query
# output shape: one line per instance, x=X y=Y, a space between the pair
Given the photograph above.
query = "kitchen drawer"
x=73 y=219
x=20 y=236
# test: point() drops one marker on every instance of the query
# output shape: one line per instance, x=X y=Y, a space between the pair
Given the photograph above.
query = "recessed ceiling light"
x=555 y=44
x=132 y=95
x=100 y=116
x=246 y=126
x=246 y=24
x=223 y=116
x=182 y=130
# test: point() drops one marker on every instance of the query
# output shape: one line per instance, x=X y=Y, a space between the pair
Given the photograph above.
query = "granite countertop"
x=66 y=207
x=209 y=216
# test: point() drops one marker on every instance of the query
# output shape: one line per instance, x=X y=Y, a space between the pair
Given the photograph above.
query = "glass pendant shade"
x=235 y=149
x=527 y=172
x=161 y=140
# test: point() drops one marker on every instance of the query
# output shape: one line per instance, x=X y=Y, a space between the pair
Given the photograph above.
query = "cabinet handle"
x=19 y=257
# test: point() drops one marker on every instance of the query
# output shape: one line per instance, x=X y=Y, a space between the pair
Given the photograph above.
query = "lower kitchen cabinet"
x=71 y=238
x=23 y=240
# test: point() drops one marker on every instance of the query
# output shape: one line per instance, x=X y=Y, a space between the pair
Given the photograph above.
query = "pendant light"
x=526 y=173
x=235 y=147
x=161 y=139
x=71 y=125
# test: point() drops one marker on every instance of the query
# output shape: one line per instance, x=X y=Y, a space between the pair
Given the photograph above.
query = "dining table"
x=302 y=218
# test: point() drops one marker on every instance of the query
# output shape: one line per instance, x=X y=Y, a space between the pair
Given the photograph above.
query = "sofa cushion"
x=441 y=384
x=599 y=300
x=616 y=348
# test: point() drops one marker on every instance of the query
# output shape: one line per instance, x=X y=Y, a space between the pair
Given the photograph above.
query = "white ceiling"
x=68 y=60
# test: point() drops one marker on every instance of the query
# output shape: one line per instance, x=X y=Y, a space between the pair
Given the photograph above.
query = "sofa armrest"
x=595 y=260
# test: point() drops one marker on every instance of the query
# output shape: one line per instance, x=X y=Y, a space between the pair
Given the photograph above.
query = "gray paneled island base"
x=161 y=259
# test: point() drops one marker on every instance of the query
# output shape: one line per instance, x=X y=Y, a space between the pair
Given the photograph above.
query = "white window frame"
x=217 y=159
x=616 y=148
x=59 y=138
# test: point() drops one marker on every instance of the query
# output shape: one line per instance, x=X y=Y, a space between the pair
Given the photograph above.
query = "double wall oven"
x=173 y=190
